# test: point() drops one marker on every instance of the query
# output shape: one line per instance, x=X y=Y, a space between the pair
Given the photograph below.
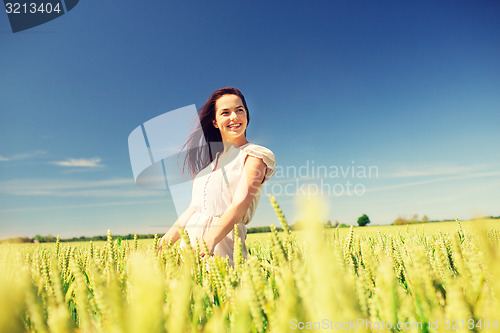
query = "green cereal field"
x=437 y=277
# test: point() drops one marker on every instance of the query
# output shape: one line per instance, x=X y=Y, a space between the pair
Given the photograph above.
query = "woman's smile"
x=235 y=126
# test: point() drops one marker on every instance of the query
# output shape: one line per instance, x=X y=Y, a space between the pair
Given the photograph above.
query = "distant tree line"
x=257 y=230
x=413 y=220
x=52 y=239
x=363 y=220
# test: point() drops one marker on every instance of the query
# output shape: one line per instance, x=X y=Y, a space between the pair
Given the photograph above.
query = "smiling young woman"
x=228 y=173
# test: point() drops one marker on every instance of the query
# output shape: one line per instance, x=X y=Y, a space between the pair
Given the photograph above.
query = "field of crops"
x=405 y=280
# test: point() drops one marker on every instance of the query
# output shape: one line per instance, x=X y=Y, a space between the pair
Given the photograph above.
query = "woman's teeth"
x=234 y=126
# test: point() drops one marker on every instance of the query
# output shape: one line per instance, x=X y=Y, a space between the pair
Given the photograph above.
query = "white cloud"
x=98 y=204
x=23 y=156
x=80 y=162
x=436 y=180
x=433 y=170
x=118 y=188
x=436 y=200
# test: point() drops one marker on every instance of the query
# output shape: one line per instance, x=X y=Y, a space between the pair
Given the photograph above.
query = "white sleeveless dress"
x=211 y=195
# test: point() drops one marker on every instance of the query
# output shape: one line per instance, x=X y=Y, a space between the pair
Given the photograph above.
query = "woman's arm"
x=248 y=186
x=173 y=232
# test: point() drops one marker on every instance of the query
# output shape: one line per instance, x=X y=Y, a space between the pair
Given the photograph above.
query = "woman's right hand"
x=160 y=245
x=175 y=231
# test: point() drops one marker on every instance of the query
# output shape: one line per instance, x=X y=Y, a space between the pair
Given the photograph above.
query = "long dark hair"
x=205 y=141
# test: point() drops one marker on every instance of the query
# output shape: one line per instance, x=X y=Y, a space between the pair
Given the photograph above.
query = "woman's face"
x=230 y=118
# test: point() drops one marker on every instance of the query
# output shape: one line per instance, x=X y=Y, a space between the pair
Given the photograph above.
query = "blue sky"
x=409 y=88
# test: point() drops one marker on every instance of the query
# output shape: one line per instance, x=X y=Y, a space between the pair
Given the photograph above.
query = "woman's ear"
x=215 y=123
